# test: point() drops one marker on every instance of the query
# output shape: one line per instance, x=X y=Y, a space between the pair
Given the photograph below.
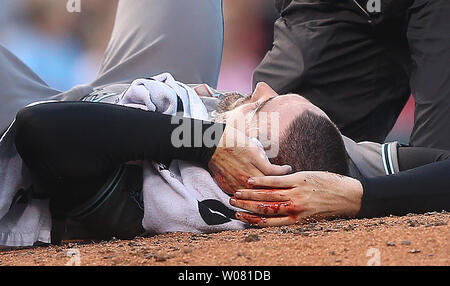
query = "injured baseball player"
x=73 y=151
x=128 y=155
x=155 y=158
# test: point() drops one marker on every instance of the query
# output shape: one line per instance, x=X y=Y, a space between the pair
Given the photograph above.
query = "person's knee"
x=24 y=124
x=30 y=122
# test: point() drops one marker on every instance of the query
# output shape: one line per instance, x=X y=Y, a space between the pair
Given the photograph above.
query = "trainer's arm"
x=284 y=200
x=422 y=189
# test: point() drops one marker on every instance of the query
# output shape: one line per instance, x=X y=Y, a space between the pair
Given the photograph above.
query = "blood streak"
x=244 y=180
x=222 y=181
x=252 y=219
x=223 y=184
x=273 y=207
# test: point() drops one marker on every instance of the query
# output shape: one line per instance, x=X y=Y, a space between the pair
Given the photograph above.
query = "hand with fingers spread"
x=237 y=158
x=285 y=200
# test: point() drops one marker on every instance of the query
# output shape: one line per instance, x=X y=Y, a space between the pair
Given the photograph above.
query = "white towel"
x=20 y=225
x=160 y=94
x=182 y=196
x=179 y=197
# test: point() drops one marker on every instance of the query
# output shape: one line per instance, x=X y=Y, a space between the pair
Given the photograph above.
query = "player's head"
x=302 y=134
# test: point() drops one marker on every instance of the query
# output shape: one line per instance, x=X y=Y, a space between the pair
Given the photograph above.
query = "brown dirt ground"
x=408 y=240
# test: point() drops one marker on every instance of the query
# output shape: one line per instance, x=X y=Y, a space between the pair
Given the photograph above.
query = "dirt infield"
x=407 y=240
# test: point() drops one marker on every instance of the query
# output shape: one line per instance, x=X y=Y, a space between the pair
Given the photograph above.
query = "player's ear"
x=263 y=92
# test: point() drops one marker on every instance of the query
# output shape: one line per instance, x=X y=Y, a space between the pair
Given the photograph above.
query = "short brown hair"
x=312 y=143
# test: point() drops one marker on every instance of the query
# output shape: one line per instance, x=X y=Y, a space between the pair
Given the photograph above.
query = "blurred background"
x=65 y=49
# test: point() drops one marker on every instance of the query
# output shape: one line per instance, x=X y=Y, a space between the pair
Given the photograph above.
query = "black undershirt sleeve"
x=64 y=140
x=413 y=157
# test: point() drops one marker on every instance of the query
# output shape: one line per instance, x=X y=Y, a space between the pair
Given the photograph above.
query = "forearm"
x=94 y=135
x=426 y=188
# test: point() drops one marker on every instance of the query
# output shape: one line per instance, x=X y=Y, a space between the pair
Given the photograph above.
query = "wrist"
x=354 y=193
x=214 y=134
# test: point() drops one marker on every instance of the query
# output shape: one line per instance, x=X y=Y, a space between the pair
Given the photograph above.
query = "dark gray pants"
x=184 y=38
x=360 y=69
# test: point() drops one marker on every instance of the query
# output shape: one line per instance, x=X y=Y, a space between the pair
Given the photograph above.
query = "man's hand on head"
x=237 y=158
